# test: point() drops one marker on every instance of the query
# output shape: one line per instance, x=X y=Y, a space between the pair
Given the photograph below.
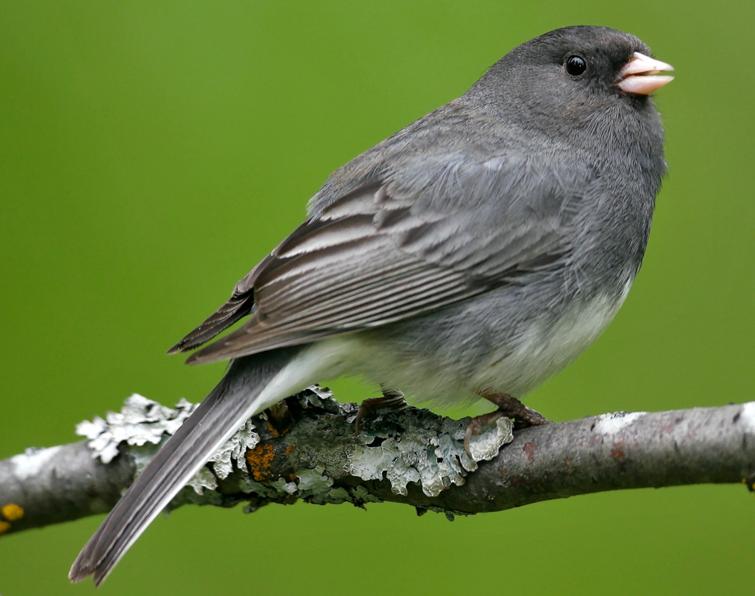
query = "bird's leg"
x=392 y=399
x=507 y=406
x=512 y=408
x=278 y=419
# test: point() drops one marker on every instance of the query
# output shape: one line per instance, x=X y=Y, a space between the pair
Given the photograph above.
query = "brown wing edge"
x=235 y=308
x=221 y=350
x=241 y=301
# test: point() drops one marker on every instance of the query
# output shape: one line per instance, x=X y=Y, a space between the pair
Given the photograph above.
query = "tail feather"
x=238 y=396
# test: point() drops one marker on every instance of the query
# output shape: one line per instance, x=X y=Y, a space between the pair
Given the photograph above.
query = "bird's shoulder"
x=462 y=157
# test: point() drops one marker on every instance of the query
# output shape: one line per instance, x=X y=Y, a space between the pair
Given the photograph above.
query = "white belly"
x=545 y=349
x=538 y=352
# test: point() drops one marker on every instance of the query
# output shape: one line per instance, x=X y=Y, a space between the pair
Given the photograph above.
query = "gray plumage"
x=480 y=248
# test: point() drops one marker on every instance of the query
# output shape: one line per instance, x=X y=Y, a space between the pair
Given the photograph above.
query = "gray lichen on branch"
x=415 y=447
x=308 y=448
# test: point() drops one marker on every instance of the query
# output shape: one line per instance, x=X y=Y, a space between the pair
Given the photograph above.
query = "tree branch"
x=308 y=449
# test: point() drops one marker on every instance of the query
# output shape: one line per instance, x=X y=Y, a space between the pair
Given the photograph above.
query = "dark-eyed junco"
x=472 y=254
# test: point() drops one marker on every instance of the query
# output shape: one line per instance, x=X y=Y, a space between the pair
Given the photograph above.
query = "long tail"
x=240 y=394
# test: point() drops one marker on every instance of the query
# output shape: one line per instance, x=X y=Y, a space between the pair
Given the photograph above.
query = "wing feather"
x=377 y=255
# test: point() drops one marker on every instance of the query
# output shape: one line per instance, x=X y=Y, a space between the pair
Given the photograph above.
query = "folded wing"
x=388 y=251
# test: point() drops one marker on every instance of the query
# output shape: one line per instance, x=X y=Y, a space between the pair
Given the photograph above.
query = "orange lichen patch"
x=4 y=527
x=260 y=460
x=12 y=512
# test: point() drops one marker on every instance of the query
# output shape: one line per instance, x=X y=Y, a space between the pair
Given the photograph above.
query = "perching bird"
x=472 y=254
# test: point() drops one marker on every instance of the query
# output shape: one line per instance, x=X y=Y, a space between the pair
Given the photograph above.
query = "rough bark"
x=309 y=449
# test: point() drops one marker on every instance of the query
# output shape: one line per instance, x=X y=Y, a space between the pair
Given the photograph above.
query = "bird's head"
x=570 y=76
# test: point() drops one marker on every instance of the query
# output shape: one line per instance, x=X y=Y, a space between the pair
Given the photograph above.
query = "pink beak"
x=641 y=75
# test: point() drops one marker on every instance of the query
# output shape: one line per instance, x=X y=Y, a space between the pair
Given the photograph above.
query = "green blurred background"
x=152 y=152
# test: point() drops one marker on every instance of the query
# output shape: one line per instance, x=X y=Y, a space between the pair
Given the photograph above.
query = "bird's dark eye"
x=575 y=65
